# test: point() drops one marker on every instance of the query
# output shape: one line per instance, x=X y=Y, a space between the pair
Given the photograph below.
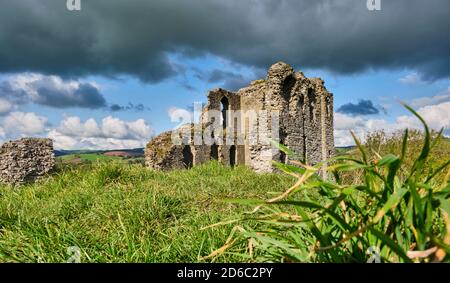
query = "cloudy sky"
x=111 y=75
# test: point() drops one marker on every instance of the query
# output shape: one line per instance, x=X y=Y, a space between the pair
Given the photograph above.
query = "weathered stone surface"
x=305 y=123
x=161 y=154
x=25 y=160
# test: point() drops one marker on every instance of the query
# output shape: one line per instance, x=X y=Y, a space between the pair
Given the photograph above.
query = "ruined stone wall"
x=162 y=154
x=304 y=122
x=283 y=96
x=329 y=125
x=25 y=160
x=252 y=100
x=295 y=135
x=216 y=95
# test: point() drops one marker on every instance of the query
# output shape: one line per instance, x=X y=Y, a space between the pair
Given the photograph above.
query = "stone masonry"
x=25 y=160
x=304 y=123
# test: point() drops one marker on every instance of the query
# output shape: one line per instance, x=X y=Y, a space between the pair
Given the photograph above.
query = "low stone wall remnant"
x=25 y=160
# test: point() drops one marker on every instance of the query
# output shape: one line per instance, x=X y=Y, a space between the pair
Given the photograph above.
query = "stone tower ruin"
x=237 y=128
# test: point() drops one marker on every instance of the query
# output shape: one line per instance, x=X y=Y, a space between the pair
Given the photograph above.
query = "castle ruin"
x=237 y=128
x=25 y=160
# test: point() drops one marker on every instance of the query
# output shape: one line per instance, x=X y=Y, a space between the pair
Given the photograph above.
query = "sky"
x=111 y=75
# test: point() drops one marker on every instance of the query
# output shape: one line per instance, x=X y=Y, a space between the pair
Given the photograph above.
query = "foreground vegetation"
x=116 y=212
x=388 y=201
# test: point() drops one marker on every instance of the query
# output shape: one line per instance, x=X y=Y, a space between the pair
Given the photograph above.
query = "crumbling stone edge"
x=26 y=160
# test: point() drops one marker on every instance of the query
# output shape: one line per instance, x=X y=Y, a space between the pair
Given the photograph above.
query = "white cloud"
x=111 y=143
x=180 y=115
x=21 y=123
x=91 y=128
x=424 y=101
x=112 y=133
x=115 y=128
x=5 y=106
x=140 y=128
x=411 y=79
x=72 y=126
x=344 y=121
x=436 y=116
x=73 y=133
x=343 y=124
x=61 y=141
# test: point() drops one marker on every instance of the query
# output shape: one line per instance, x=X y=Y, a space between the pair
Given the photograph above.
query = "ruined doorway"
x=224 y=108
x=232 y=156
x=215 y=152
x=188 y=157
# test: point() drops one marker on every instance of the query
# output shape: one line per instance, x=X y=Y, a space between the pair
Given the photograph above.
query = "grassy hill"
x=115 y=212
x=392 y=193
x=77 y=158
x=85 y=158
x=131 y=152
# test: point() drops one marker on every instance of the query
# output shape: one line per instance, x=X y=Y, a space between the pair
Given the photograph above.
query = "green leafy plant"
x=393 y=214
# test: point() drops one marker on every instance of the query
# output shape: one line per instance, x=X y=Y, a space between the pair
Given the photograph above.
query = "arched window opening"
x=215 y=152
x=188 y=157
x=224 y=108
x=288 y=85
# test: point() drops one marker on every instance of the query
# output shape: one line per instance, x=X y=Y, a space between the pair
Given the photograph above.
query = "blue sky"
x=113 y=81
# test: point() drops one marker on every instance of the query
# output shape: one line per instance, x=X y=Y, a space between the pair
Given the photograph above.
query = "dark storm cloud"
x=134 y=37
x=84 y=96
x=138 y=107
x=229 y=80
x=363 y=107
x=51 y=91
x=11 y=95
x=116 y=107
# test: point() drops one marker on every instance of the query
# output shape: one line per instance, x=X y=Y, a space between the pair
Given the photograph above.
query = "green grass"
x=115 y=212
x=391 y=196
x=88 y=157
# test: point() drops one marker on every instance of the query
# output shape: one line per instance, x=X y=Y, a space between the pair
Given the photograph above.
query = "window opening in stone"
x=188 y=157
x=233 y=156
x=224 y=108
x=283 y=157
x=215 y=152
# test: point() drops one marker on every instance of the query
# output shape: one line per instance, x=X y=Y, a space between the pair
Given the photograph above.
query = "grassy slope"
x=125 y=213
x=384 y=209
x=88 y=157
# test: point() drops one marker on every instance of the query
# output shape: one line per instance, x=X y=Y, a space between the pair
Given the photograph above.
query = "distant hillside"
x=136 y=152
x=123 y=153
x=343 y=149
